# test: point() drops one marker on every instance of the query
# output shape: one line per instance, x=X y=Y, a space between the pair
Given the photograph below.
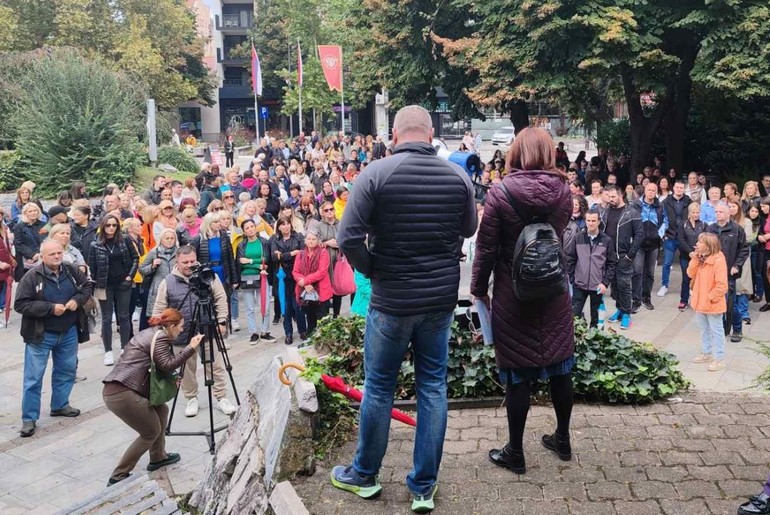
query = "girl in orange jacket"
x=708 y=275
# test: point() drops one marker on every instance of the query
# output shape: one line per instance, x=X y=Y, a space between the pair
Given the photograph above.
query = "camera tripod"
x=204 y=321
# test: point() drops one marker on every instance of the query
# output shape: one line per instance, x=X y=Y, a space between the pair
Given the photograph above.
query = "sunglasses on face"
x=218 y=209
x=328 y=210
x=228 y=196
x=110 y=225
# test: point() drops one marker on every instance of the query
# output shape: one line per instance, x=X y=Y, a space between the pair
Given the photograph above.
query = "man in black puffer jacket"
x=413 y=207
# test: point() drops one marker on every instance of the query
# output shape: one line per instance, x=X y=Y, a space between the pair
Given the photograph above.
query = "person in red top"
x=311 y=274
x=7 y=262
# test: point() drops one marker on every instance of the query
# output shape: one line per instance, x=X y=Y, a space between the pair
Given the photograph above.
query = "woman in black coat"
x=113 y=261
x=28 y=234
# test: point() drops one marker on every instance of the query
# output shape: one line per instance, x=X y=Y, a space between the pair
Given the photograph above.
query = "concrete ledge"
x=304 y=390
x=285 y=501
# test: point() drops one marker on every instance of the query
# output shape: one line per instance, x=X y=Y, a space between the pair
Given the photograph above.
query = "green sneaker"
x=424 y=503
x=345 y=478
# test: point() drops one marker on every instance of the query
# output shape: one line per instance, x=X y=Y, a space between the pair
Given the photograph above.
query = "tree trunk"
x=642 y=127
x=519 y=115
x=676 y=119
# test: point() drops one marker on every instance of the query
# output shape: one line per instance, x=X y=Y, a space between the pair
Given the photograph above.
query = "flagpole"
x=342 y=90
x=291 y=117
x=256 y=104
x=299 y=56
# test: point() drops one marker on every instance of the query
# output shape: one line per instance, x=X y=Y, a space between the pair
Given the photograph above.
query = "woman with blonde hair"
x=744 y=287
x=533 y=340
x=23 y=196
x=708 y=275
x=215 y=206
x=28 y=234
x=72 y=256
x=149 y=215
x=190 y=190
x=189 y=225
x=156 y=265
x=750 y=196
x=212 y=245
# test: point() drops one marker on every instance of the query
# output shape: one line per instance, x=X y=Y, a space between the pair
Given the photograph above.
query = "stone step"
x=135 y=495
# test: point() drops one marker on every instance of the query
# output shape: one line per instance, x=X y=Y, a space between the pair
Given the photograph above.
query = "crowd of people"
x=658 y=211
x=276 y=239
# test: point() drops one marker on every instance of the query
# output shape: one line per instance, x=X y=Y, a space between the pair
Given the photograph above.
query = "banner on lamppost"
x=331 y=63
x=256 y=72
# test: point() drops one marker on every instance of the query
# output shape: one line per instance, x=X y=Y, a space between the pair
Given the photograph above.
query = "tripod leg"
x=173 y=405
x=209 y=378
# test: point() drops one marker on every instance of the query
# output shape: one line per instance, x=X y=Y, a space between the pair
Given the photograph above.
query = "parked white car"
x=503 y=136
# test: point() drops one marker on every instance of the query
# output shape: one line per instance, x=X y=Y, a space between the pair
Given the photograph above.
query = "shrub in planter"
x=609 y=367
x=178 y=158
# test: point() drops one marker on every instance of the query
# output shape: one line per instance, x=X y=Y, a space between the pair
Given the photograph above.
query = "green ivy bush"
x=178 y=158
x=609 y=367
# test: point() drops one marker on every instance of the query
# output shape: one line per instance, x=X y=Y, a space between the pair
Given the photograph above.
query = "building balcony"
x=233 y=24
x=226 y=59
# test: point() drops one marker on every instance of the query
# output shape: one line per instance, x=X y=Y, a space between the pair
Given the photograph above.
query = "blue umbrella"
x=281 y=275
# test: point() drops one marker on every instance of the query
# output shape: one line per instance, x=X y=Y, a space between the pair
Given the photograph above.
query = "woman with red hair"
x=126 y=391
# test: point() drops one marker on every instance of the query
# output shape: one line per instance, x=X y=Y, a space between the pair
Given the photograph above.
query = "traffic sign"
x=263 y=112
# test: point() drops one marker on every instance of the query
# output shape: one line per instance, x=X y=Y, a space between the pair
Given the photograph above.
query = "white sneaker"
x=109 y=359
x=192 y=407
x=2 y=325
x=225 y=406
x=663 y=290
x=236 y=325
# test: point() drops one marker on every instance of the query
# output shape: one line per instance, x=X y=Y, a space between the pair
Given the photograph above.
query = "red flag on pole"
x=256 y=72
x=299 y=65
x=331 y=63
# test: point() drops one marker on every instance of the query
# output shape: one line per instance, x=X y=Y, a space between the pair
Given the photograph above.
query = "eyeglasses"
x=110 y=225
x=328 y=210
x=228 y=196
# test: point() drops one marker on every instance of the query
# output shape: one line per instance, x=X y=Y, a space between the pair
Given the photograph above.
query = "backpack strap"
x=526 y=219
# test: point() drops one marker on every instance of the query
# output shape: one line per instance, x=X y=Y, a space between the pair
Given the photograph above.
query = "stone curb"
x=285 y=501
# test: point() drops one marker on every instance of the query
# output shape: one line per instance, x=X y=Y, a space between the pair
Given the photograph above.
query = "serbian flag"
x=331 y=63
x=256 y=72
x=299 y=65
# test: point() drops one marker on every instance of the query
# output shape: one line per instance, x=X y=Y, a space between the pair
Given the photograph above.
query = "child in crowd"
x=708 y=274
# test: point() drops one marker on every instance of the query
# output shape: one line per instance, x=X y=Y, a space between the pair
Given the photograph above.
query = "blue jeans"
x=292 y=309
x=234 y=312
x=64 y=350
x=712 y=335
x=741 y=309
x=386 y=341
x=256 y=322
x=670 y=248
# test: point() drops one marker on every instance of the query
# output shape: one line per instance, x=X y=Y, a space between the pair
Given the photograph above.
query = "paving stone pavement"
x=704 y=455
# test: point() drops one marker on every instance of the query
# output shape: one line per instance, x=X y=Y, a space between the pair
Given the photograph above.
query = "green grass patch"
x=144 y=174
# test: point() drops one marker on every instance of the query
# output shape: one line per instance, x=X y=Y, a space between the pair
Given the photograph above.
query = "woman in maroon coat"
x=533 y=340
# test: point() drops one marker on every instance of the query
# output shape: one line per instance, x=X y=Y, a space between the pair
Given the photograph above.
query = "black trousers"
x=229 y=159
x=314 y=311
x=579 y=298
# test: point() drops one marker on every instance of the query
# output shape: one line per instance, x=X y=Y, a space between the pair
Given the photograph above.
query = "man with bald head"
x=50 y=297
x=412 y=208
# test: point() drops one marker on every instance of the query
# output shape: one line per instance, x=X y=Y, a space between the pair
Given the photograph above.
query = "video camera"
x=200 y=280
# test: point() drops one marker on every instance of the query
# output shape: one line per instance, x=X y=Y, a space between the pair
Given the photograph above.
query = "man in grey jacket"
x=591 y=266
x=412 y=207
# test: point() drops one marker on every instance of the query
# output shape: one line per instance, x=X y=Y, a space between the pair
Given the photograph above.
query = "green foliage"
x=609 y=367
x=315 y=92
x=12 y=170
x=78 y=120
x=337 y=420
x=615 y=135
x=178 y=158
x=612 y=368
x=762 y=380
x=153 y=40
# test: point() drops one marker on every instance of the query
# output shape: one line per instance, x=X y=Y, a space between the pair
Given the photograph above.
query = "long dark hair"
x=76 y=190
x=102 y=232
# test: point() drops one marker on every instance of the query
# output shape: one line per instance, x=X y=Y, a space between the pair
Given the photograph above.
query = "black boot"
x=508 y=458
x=757 y=505
x=558 y=444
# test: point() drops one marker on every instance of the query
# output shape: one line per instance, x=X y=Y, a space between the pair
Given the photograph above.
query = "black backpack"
x=538 y=270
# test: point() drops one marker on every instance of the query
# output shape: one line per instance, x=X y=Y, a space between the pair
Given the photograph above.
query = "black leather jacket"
x=99 y=261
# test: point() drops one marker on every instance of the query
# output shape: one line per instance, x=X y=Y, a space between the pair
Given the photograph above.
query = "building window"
x=190 y=121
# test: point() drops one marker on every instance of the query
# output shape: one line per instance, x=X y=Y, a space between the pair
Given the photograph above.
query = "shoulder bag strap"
x=152 y=349
x=514 y=204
